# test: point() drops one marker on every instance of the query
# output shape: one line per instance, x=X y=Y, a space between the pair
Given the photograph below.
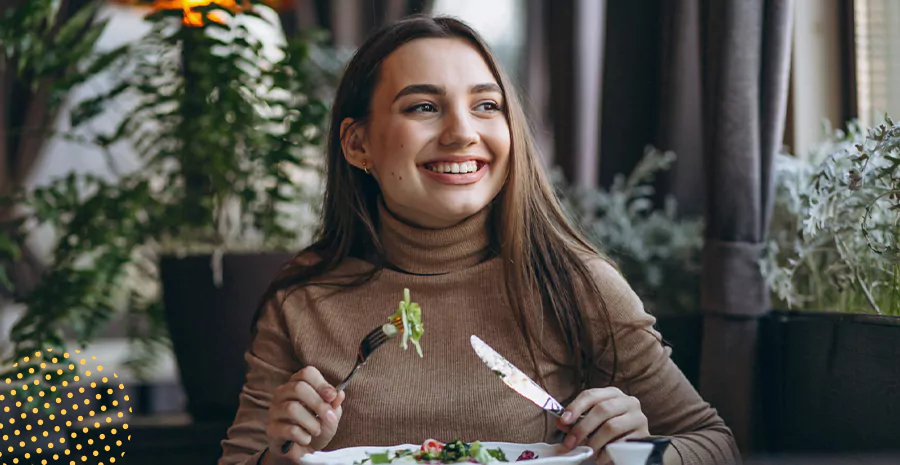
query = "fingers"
x=305 y=411
x=310 y=389
x=602 y=413
x=279 y=432
x=336 y=403
x=603 y=458
x=609 y=415
x=314 y=378
x=629 y=425
x=586 y=401
x=297 y=413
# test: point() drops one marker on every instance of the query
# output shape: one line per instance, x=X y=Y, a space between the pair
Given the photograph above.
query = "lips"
x=455 y=173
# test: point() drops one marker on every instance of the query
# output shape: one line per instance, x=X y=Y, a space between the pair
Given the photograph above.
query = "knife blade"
x=514 y=378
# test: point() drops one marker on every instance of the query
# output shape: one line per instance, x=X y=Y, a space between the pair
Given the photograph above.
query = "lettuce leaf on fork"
x=411 y=315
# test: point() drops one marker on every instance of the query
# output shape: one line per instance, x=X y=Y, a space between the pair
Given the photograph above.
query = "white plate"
x=548 y=454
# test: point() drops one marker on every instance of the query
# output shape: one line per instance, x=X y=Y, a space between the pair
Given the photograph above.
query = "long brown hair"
x=542 y=254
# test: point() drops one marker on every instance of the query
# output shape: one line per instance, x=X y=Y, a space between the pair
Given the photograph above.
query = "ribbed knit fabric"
x=450 y=394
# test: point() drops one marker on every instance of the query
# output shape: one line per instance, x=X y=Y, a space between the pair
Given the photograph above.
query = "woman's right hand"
x=293 y=416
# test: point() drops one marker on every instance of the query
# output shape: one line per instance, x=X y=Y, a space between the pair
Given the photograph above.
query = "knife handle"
x=559 y=410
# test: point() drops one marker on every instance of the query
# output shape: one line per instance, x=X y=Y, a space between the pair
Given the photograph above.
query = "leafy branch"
x=229 y=137
x=834 y=236
x=656 y=249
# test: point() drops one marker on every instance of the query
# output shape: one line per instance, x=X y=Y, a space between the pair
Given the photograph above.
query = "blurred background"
x=159 y=161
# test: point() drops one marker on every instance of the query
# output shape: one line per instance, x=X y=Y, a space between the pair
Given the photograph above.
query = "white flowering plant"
x=657 y=249
x=833 y=242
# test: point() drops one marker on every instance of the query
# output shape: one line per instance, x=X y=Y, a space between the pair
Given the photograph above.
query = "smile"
x=455 y=173
x=454 y=168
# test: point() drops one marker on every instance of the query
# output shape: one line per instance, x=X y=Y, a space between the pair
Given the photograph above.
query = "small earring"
x=366 y=169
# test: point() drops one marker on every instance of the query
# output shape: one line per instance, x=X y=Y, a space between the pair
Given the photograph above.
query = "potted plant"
x=834 y=271
x=657 y=250
x=229 y=136
x=47 y=51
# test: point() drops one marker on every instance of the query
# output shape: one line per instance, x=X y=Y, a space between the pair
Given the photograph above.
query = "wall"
x=816 y=73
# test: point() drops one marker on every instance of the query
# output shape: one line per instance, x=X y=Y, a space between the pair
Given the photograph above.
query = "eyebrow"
x=436 y=90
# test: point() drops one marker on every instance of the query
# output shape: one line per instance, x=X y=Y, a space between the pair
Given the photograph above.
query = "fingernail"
x=329 y=395
x=331 y=416
x=567 y=417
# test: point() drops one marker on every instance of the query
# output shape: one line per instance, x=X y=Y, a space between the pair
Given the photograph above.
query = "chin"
x=462 y=210
x=439 y=209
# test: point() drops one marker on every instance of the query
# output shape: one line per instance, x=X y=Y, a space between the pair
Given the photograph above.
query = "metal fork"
x=375 y=339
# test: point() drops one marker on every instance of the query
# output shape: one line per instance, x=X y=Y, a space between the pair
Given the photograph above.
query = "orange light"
x=194 y=18
x=191 y=17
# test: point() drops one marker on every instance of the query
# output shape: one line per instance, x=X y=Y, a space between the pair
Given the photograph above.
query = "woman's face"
x=437 y=140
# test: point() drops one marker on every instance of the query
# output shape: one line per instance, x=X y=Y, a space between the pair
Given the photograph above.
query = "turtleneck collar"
x=434 y=251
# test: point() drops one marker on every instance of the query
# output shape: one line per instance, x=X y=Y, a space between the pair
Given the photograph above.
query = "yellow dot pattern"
x=34 y=428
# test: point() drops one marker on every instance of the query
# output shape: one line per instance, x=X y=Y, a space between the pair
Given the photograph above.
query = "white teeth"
x=455 y=168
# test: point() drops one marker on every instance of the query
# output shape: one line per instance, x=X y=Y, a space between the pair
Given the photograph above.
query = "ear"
x=353 y=137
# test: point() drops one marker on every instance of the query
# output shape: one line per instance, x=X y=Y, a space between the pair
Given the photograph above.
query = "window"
x=877 y=49
x=500 y=22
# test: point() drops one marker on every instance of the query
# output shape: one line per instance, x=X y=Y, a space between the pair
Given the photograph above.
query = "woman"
x=434 y=184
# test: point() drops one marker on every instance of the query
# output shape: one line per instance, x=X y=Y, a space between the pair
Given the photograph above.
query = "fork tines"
x=376 y=338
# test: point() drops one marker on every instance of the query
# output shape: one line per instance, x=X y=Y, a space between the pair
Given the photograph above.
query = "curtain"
x=707 y=79
x=745 y=68
x=680 y=110
x=564 y=83
x=593 y=79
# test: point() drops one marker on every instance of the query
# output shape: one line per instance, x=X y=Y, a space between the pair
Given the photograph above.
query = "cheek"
x=396 y=149
x=399 y=144
x=499 y=142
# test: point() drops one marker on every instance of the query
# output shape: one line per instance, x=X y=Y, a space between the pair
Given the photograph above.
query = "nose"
x=459 y=130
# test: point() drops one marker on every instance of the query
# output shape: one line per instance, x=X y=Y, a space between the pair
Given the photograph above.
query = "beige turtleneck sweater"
x=450 y=394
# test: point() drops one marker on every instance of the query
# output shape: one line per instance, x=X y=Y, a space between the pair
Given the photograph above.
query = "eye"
x=488 y=106
x=422 y=108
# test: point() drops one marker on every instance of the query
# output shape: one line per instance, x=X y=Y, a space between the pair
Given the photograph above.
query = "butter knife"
x=514 y=378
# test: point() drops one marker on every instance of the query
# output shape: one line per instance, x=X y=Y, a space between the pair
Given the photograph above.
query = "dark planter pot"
x=210 y=326
x=684 y=333
x=830 y=382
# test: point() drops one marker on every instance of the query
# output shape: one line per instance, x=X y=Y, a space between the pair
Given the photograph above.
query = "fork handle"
x=346 y=381
x=286 y=447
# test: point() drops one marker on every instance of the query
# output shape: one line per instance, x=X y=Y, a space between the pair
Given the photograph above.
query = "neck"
x=419 y=250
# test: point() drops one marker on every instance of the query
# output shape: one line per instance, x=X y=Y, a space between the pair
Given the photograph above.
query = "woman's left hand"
x=610 y=416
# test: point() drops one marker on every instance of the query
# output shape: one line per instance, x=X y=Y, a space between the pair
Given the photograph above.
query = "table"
x=826 y=459
x=173 y=439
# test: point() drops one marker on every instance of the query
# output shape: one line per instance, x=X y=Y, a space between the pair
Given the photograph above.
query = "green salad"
x=436 y=452
x=411 y=315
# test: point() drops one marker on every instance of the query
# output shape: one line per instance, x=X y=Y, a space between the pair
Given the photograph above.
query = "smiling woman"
x=437 y=140
x=433 y=183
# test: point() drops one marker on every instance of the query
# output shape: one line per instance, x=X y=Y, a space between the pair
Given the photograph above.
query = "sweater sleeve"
x=644 y=370
x=271 y=361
